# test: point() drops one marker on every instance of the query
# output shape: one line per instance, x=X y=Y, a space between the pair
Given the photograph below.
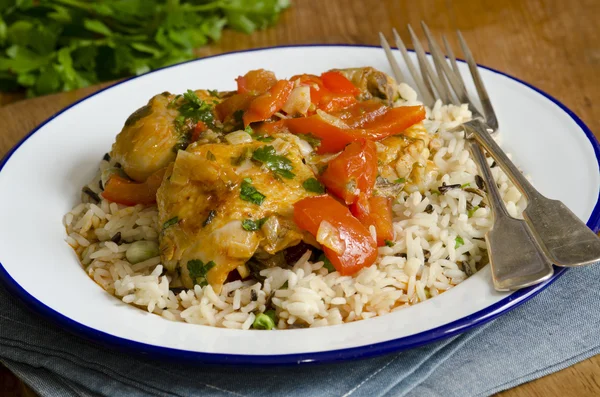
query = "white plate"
x=41 y=178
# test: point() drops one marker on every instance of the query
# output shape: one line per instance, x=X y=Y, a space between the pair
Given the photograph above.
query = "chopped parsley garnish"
x=472 y=211
x=251 y=225
x=209 y=218
x=459 y=241
x=279 y=165
x=265 y=320
x=249 y=192
x=210 y=156
x=284 y=286
x=192 y=110
x=213 y=93
x=464 y=185
x=238 y=116
x=265 y=138
x=400 y=180
x=170 y=222
x=326 y=263
x=311 y=139
x=198 y=271
x=389 y=243
x=313 y=185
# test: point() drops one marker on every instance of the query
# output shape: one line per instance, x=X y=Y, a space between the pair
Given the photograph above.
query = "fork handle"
x=565 y=239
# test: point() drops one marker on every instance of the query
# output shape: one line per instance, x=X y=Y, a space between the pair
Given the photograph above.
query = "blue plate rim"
x=395 y=345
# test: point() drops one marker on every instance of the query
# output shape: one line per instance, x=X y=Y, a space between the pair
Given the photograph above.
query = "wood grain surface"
x=553 y=44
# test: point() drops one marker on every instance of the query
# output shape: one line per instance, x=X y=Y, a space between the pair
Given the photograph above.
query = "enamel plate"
x=41 y=179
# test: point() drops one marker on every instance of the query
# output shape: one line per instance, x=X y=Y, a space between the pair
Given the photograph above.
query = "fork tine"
x=488 y=110
x=426 y=95
x=391 y=60
x=426 y=65
x=452 y=58
x=439 y=60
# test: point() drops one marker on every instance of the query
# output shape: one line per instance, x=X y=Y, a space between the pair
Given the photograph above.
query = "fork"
x=519 y=250
x=564 y=238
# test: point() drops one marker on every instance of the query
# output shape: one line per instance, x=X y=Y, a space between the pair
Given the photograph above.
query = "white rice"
x=426 y=259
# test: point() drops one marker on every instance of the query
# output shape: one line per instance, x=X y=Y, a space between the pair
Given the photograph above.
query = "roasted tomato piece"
x=339 y=84
x=264 y=106
x=353 y=172
x=123 y=191
x=375 y=211
x=235 y=103
x=346 y=242
x=256 y=82
x=334 y=137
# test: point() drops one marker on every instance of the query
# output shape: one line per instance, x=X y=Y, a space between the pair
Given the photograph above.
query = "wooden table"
x=549 y=43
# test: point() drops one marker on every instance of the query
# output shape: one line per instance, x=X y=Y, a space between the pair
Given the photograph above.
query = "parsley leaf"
x=459 y=241
x=279 y=165
x=314 y=141
x=251 y=225
x=313 y=185
x=400 y=180
x=326 y=263
x=170 y=222
x=198 y=271
x=249 y=192
x=192 y=110
x=389 y=243
x=472 y=211
x=51 y=46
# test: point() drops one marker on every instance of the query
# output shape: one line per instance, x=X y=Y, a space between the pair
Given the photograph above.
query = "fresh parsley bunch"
x=59 y=45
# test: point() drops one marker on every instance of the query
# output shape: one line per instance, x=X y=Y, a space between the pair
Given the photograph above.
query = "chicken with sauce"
x=241 y=177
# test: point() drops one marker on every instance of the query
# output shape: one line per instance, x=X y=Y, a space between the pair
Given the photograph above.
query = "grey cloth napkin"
x=558 y=328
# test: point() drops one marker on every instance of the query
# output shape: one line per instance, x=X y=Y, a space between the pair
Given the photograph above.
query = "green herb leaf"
x=251 y=225
x=314 y=141
x=264 y=321
x=389 y=243
x=400 y=180
x=265 y=138
x=249 y=192
x=472 y=211
x=213 y=93
x=192 y=110
x=96 y=26
x=284 y=286
x=198 y=270
x=210 y=156
x=459 y=241
x=170 y=222
x=464 y=185
x=313 y=185
x=279 y=165
x=110 y=40
x=326 y=263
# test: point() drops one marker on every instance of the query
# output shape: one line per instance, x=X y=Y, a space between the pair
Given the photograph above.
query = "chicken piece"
x=204 y=200
x=150 y=138
x=372 y=83
x=406 y=156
